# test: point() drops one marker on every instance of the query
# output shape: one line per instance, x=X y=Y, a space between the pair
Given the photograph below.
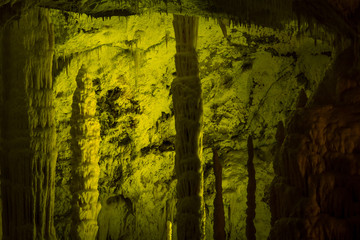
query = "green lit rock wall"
x=251 y=80
x=131 y=77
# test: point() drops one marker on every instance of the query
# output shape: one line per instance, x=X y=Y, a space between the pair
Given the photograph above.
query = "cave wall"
x=315 y=194
x=267 y=71
x=251 y=80
x=136 y=182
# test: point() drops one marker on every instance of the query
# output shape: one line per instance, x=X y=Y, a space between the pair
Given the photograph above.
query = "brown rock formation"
x=251 y=188
x=316 y=192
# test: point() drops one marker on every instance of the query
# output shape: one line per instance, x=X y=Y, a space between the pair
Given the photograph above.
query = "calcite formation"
x=250 y=81
x=219 y=215
x=187 y=100
x=85 y=168
x=251 y=188
x=29 y=134
x=242 y=78
x=315 y=194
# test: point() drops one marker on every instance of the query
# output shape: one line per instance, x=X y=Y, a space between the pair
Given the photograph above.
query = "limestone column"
x=85 y=131
x=28 y=128
x=187 y=100
x=251 y=189
x=219 y=214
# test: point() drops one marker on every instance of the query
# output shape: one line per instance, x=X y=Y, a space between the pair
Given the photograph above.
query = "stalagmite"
x=28 y=128
x=219 y=214
x=85 y=169
x=169 y=230
x=187 y=100
x=1 y=122
x=251 y=188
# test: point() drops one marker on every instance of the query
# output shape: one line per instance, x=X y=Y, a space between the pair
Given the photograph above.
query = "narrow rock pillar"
x=251 y=189
x=2 y=153
x=28 y=128
x=219 y=214
x=187 y=100
x=85 y=168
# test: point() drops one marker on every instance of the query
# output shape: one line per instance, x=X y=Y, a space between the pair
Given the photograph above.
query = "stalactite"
x=85 y=168
x=187 y=100
x=249 y=12
x=219 y=214
x=250 y=211
x=223 y=27
x=29 y=129
x=302 y=99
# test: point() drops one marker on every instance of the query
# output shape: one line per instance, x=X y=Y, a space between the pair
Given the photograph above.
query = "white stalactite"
x=86 y=170
x=187 y=100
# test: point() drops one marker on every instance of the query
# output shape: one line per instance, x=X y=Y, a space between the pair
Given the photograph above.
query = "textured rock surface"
x=137 y=131
x=85 y=132
x=250 y=81
x=315 y=194
x=188 y=109
x=28 y=161
x=267 y=13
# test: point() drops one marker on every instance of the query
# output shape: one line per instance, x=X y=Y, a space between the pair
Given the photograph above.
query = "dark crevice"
x=165 y=146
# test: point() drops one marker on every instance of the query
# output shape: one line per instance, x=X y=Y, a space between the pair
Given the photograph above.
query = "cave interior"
x=180 y=119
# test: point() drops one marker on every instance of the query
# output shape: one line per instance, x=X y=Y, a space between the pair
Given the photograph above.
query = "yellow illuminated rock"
x=85 y=134
x=137 y=116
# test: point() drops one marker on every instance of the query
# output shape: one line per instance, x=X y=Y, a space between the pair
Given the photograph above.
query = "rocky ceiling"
x=341 y=16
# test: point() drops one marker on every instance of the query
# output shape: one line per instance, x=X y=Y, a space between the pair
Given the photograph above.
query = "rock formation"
x=219 y=215
x=315 y=194
x=85 y=168
x=251 y=188
x=187 y=100
x=29 y=156
x=252 y=80
x=137 y=123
